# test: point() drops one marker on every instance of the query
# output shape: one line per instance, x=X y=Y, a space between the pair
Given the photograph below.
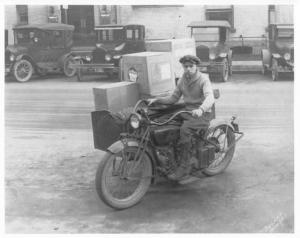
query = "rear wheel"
x=223 y=136
x=121 y=182
x=22 y=70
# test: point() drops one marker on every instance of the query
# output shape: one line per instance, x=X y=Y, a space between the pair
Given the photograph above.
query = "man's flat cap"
x=190 y=58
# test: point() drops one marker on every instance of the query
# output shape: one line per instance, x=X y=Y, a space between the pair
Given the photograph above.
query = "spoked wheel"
x=225 y=71
x=22 y=70
x=121 y=182
x=224 y=137
x=68 y=70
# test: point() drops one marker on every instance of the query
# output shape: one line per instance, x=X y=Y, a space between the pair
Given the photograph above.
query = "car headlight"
x=287 y=56
x=11 y=57
x=212 y=56
x=117 y=56
x=135 y=120
x=88 y=58
x=107 y=57
x=98 y=45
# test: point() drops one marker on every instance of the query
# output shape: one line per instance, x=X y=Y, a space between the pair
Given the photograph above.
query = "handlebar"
x=170 y=119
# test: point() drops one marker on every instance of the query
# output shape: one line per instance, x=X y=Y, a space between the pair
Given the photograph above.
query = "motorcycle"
x=148 y=149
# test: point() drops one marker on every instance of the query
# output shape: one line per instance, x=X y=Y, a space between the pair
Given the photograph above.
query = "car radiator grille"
x=202 y=52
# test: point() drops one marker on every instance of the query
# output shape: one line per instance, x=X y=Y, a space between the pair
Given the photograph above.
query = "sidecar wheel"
x=221 y=161
x=119 y=191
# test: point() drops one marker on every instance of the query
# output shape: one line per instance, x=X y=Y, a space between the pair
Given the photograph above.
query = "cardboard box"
x=116 y=96
x=177 y=47
x=153 y=71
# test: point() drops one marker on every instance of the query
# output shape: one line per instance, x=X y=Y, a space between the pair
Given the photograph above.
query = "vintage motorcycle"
x=149 y=149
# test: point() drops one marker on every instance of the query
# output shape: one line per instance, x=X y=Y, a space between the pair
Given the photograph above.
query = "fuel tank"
x=164 y=135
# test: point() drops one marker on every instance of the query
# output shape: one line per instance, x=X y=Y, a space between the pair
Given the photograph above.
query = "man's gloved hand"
x=197 y=112
x=151 y=101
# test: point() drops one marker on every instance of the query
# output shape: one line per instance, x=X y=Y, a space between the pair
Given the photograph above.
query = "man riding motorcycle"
x=197 y=93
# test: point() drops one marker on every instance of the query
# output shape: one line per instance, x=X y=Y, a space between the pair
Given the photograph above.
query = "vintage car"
x=279 y=57
x=40 y=48
x=211 y=47
x=113 y=41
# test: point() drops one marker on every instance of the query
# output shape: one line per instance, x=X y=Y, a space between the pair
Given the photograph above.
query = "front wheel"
x=225 y=70
x=22 y=70
x=68 y=70
x=274 y=70
x=223 y=136
x=121 y=182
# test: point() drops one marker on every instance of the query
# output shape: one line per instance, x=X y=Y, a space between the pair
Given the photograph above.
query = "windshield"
x=285 y=33
x=110 y=35
x=206 y=34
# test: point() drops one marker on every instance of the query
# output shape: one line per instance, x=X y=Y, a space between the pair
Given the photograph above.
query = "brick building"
x=161 y=21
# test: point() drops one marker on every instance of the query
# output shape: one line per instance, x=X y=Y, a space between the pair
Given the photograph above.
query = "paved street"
x=50 y=165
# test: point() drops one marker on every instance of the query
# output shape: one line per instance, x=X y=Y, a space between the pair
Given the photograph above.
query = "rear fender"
x=62 y=59
x=215 y=123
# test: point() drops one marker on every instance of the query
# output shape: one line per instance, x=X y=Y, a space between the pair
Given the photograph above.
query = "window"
x=22 y=11
x=206 y=34
x=220 y=13
x=57 y=39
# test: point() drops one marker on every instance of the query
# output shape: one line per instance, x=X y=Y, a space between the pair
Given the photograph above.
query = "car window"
x=206 y=34
x=57 y=39
x=285 y=33
x=110 y=35
x=129 y=34
x=24 y=36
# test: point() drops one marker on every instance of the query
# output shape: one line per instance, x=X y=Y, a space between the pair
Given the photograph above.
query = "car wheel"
x=225 y=70
x=274 y=70
x=22 y=70
x=263 y=70
x=69 y=71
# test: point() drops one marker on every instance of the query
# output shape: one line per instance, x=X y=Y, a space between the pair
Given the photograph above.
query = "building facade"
x=161 y=21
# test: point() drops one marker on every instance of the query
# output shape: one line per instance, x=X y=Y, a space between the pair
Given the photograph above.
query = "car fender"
x=266 y=57
x=27 y=57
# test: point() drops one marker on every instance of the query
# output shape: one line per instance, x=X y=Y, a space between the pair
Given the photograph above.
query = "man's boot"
x=185 y=164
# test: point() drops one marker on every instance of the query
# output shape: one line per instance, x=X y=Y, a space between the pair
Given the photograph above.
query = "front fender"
x=119 y=145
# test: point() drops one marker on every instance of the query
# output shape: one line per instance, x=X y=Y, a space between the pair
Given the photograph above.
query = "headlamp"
x=88 y=58
x=212 y=56
x=135 y=120
x=108 y=57
x=11 y=57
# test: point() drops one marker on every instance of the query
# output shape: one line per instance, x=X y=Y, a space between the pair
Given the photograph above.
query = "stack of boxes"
x=146 y=74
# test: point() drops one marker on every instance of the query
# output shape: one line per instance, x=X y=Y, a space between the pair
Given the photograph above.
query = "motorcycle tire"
x=211 y=171
x=131 y=199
